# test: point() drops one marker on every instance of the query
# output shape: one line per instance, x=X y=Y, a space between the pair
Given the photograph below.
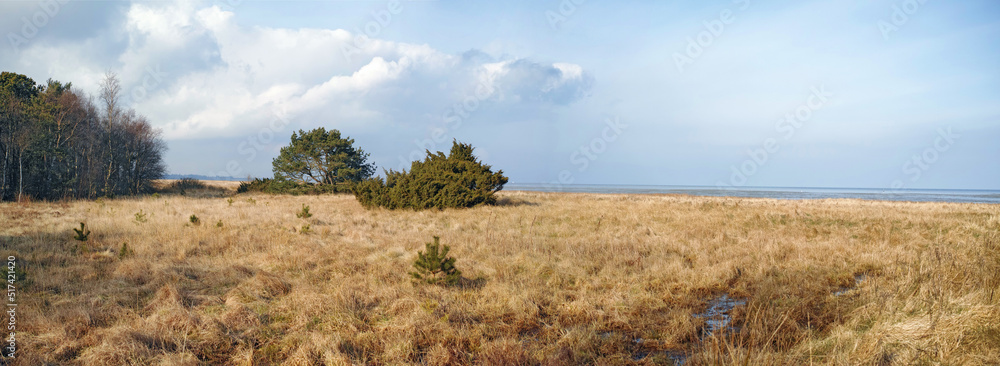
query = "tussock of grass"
x=546 y=279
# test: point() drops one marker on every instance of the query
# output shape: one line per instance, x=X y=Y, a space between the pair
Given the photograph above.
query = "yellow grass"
x=548 y=279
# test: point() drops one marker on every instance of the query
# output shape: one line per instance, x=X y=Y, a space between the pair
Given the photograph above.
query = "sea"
x=789 y=193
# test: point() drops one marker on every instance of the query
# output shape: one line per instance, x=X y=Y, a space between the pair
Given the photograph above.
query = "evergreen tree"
x=439 y=181
x=322 y=157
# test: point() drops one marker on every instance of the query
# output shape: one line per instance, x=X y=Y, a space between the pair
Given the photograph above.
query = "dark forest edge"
x=56 y=142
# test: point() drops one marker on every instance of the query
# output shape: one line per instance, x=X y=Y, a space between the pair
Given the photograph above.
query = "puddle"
x=858 y=279
x=717 y=316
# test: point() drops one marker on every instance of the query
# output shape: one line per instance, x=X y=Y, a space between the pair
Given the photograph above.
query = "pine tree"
x=321 y=157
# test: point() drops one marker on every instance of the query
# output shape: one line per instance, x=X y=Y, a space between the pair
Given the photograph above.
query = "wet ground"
x=858 y=279
x=717 y=320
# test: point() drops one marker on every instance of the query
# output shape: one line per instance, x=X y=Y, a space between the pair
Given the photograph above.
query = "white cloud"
x=223 y=79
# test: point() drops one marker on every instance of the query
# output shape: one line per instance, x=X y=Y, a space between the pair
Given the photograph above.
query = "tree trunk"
x=20 y=176
x=111 y=161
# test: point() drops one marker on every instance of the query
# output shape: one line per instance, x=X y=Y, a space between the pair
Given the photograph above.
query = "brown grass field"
x=548 y=279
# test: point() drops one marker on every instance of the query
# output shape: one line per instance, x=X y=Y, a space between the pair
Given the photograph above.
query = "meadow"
x=548 y=279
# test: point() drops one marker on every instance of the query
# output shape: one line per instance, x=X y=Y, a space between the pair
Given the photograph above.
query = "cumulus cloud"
x=197 y=73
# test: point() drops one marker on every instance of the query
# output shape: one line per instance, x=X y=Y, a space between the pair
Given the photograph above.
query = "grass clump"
x=455 y=180
x=433 y=265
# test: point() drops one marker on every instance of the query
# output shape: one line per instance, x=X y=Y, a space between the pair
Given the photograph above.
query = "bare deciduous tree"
x=109 y=94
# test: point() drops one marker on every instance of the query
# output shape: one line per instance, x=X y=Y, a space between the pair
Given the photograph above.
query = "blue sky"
x=879 y=94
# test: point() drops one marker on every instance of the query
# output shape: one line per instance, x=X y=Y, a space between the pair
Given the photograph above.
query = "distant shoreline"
x=785 y=193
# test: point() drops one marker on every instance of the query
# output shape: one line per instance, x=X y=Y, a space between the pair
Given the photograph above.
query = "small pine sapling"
x=125 y=251
x=304 y=214
x=194 y=220
x=82 y=233
x=433 y=265
x=81 y=237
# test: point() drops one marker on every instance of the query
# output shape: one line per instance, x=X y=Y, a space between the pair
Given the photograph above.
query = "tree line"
x=58 y=142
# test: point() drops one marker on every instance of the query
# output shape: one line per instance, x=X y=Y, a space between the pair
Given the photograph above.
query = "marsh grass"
x=547 y=279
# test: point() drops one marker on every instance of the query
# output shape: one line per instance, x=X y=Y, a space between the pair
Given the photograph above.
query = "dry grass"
x=549 y=279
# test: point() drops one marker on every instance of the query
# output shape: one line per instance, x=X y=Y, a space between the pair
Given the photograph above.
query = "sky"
x=839 y=93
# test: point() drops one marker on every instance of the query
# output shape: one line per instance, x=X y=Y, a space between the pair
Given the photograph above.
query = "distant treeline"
x=56 y=142
x=206 y=177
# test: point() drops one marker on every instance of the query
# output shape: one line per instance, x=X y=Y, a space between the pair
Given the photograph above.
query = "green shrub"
x=439 y=181
x=82 y=233
x=304 y=214
x=256 y=185
x=194 y=220
x=433 y=265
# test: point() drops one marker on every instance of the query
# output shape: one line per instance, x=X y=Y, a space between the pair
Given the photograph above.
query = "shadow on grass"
x=193 y=188
x=471 y=283
x=513 y=202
